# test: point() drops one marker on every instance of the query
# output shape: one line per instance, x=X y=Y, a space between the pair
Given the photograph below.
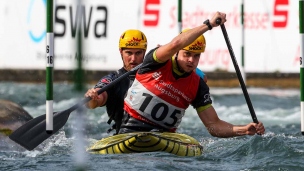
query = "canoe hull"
x=175 y=143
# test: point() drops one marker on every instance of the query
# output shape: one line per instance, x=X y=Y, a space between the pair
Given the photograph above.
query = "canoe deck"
x=175 y=143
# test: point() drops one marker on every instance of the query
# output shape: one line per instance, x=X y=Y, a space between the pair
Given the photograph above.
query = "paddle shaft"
x=239 y=75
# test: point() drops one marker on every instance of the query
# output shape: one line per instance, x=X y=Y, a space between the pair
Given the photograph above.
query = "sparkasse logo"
x=151 y=13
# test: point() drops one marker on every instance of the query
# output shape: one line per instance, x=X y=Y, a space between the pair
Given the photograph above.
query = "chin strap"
x=177 y=66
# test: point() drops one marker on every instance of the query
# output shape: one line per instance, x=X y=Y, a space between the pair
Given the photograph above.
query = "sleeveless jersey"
x=156 y=97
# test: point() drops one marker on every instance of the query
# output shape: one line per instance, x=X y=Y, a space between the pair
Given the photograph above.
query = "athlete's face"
x=187 y=60
x=132 y=57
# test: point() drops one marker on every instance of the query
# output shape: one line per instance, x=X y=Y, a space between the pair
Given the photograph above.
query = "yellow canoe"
x=175 y=143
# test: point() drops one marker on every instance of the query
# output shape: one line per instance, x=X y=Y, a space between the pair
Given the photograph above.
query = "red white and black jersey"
x=159 y=96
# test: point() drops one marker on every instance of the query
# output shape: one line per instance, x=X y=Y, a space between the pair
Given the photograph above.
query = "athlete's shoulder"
x=105 y=80
x=149 y=63
x=149 y=56
x=120 y=71
x=203 y=95
x=200 y=73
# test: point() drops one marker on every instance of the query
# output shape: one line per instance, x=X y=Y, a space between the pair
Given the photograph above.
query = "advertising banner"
x=271 y=40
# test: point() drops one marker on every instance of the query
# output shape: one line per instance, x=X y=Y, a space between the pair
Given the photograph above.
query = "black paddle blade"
x=33 y=133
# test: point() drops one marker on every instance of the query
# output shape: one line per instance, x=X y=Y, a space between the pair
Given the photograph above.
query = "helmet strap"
x=123 y=62
x=176 y=61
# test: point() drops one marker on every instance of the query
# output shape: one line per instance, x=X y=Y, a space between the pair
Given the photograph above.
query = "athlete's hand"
x=217 y=15
x=92 y=93
x=254 y=128
x=95 y=98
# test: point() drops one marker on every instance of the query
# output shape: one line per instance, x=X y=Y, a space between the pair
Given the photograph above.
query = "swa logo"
x=80 y=13
x=36 y=34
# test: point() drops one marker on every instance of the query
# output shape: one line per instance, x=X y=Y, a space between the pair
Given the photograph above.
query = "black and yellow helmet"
x=198 y=46
x=134 y=39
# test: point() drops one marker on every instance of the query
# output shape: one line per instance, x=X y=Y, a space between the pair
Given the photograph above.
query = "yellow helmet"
x=134 y=39
x=198 y=46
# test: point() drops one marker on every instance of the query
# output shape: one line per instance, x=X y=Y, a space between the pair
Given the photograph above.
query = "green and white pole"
x=49 y=66
x=179 y=15
x=301 y=28
x=243 y=42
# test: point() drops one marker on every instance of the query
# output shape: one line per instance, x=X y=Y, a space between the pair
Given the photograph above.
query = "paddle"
x=33 y=133
x=238 y=73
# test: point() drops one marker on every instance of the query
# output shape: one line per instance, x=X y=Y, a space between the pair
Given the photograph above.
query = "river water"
x=281 y=148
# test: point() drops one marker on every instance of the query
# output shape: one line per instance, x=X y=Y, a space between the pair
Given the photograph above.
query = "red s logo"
x=151 y=13
x=280 y=13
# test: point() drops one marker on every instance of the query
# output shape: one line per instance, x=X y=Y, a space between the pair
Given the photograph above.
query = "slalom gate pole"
x=243 y=41
x=49 y=66
x=301 y=29
x=179 y=15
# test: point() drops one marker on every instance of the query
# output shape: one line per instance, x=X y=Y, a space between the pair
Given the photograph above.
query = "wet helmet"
x=198 y=46
x=134 y=39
